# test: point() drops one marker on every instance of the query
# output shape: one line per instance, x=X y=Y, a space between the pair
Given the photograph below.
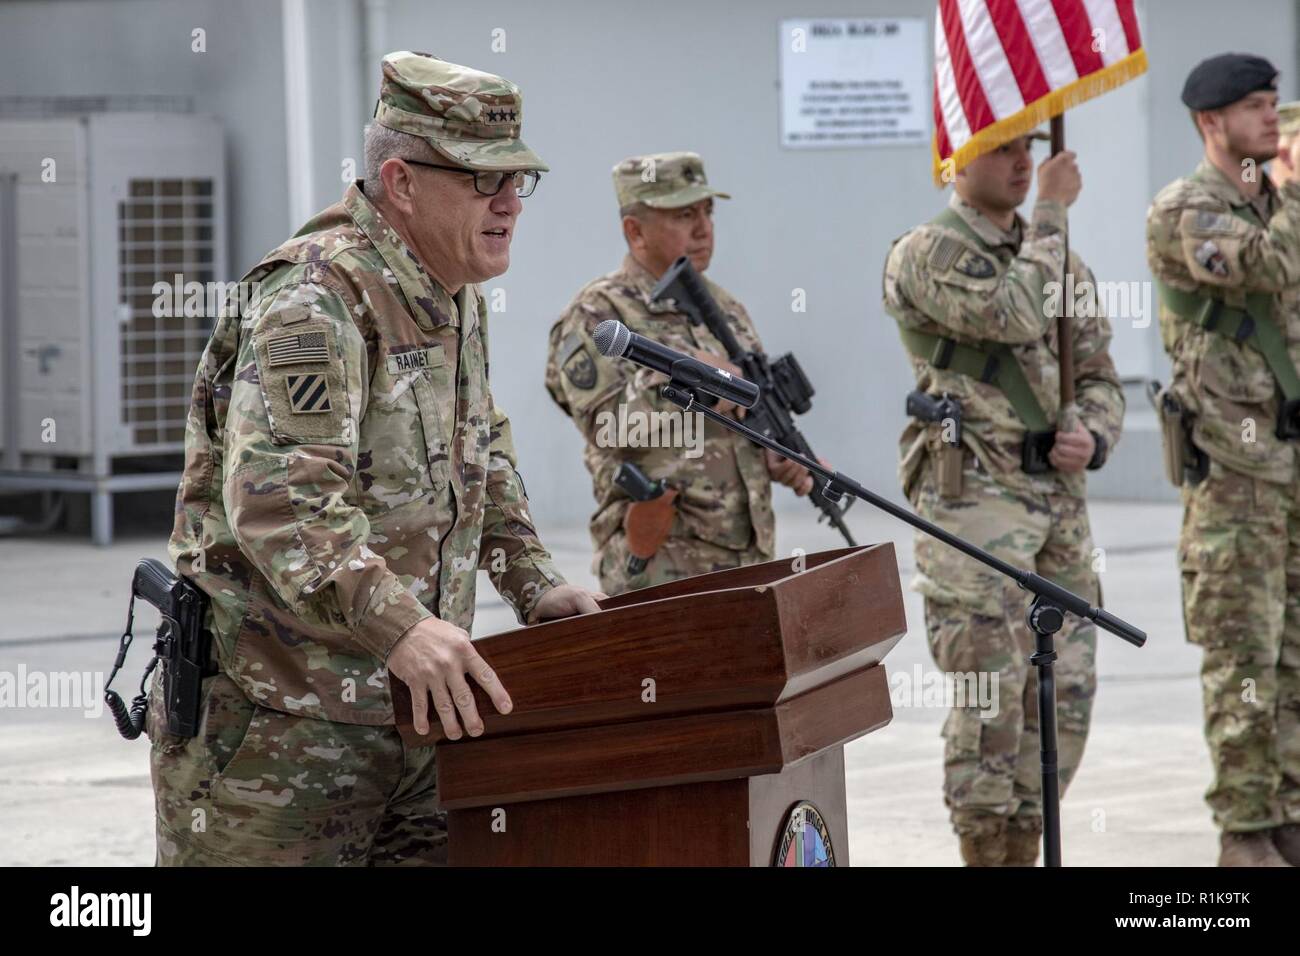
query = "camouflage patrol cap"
x=663 y=181
x=1288 y=119
x=472 y=118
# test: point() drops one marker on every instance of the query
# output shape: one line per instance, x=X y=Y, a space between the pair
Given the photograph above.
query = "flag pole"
x=1064 y=340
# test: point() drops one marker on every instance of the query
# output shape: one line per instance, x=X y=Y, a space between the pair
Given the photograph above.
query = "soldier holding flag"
x=1004 y=422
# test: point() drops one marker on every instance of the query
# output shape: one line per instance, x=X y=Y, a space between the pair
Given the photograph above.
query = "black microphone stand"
x=1045 y=617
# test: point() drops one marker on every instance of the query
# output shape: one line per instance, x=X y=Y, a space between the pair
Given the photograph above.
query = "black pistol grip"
x=636 y=483
x=154 y=582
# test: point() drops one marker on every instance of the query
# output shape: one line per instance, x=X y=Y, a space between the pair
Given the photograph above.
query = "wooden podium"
x=701 y=722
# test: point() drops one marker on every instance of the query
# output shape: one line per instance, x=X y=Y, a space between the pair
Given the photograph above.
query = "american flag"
x=1004 y=67
x=303 y=347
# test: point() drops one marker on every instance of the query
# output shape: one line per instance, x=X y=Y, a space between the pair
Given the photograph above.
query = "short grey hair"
x=637 y=210
x=383 y=144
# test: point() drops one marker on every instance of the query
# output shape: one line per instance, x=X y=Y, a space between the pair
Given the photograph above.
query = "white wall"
x=602 y=81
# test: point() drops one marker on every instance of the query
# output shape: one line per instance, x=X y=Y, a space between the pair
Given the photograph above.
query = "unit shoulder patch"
x=303 y=386
x=974 y=265
x=580 y=369
x=308 y=394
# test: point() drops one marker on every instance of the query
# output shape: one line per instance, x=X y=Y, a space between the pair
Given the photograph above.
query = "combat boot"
x=985 y=847
x=1023 y=844
x=1287 y=840
x=1249 y=849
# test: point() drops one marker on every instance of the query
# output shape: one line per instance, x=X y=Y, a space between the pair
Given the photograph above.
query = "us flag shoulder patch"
x=308 y=394
x=293 y=349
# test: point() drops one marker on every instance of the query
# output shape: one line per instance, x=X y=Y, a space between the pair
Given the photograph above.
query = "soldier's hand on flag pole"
x=1072 y=450
x=1059 y=178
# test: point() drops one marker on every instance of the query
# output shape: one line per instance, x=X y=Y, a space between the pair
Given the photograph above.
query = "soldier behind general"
x=1224 y=247
x=976 y=283
x=1284 y=166
x=723 y=506
x=347 y=475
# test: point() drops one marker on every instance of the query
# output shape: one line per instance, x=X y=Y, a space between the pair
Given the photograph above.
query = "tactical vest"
x=1248 y=320
x=992 y=363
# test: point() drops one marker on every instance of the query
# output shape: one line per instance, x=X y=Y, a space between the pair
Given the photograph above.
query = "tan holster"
x=948 y=458
x=1181 y=457
x=648 y=523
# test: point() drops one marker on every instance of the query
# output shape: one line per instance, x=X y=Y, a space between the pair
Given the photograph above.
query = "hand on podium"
x=433 y=657
x=566 y=601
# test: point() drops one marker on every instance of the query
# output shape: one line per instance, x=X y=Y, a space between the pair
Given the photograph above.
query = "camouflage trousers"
x=677 y=557
x=257 y=787
x=975 y=624
x=1239 y=555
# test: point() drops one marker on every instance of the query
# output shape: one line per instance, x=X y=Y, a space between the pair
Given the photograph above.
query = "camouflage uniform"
x=347 y=474
x=724 y=510
x=1239 y=551
x=1288 y=125
x=938 y=281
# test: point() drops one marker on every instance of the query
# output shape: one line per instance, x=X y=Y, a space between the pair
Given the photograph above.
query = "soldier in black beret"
x=1224 y=247
x=1222 y=80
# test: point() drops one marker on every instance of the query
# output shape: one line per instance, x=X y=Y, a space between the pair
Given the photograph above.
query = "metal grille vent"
x=165 y=230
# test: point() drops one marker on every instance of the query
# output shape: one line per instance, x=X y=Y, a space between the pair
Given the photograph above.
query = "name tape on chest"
x=413 y=360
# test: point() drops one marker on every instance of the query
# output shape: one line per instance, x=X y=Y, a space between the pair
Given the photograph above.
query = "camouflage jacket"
x=346 y=470
x=939 y=282
x=725 y=490
x=1198 y=242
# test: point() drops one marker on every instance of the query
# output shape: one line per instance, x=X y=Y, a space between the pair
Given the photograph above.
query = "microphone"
x=615 y=340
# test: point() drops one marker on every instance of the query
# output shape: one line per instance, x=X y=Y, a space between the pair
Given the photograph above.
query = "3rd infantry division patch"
x=308 y=394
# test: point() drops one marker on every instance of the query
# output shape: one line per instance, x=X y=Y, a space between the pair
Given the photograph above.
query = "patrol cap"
x=663 y=181
x=1288 y=115
x=472 y=118
x=1226 y=78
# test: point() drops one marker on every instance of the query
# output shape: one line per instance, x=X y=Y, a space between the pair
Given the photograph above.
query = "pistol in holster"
x=1184 y=462
x=946 y=412
x=181 y=646
x=649 y=519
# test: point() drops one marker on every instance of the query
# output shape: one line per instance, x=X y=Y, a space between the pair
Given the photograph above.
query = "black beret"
x=1226 y=78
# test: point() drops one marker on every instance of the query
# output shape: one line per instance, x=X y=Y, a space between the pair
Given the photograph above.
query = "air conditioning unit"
x=112 y=251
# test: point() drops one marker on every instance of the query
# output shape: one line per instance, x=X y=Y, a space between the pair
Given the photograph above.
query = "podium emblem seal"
x=805 y=841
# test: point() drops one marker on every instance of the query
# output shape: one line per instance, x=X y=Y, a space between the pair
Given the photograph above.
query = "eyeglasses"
x=489 y=182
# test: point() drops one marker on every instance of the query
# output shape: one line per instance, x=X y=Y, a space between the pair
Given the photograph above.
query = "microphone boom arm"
x=835 y=485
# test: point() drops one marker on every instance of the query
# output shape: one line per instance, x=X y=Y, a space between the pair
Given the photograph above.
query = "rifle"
x=784 y=389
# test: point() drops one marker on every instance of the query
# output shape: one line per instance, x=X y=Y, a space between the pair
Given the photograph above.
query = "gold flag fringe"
x=1040 y=111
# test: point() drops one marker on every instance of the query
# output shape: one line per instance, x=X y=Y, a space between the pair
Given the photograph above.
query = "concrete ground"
x=73 y=793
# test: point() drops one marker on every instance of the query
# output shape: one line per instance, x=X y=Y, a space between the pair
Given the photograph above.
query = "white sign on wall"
x=854 y=83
